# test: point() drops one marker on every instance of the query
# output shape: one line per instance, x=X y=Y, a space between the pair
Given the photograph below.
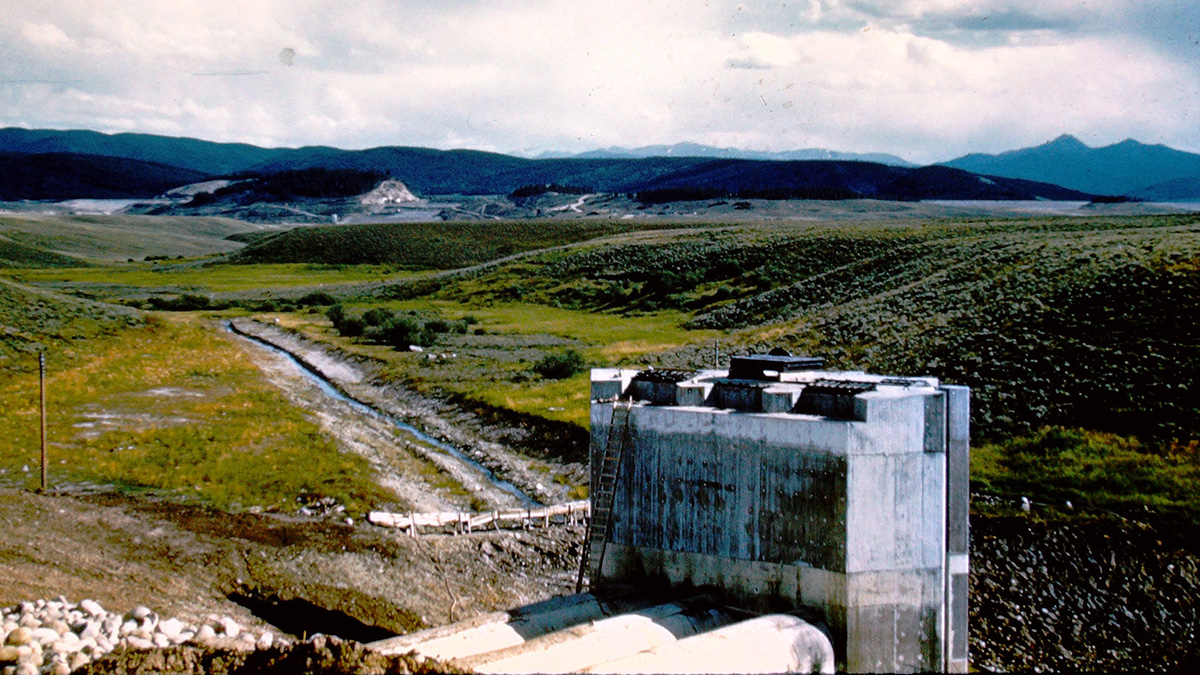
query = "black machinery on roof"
x=769 y=366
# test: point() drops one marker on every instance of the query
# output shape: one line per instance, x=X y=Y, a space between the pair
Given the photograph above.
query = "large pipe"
x=776 y=643
x=501 y=630
x=589 y=644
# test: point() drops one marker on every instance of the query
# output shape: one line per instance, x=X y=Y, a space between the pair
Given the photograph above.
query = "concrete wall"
x=847 y=517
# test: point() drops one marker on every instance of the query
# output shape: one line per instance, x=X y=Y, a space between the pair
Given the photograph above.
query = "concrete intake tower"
x=836 y=495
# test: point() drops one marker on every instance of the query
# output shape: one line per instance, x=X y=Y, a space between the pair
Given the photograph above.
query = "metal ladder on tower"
x=604 y=496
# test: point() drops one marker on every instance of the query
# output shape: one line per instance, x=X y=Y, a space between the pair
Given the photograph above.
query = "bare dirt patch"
x=190 y=562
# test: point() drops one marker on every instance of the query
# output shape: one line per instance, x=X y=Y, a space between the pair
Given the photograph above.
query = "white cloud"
x=926 y=79
x=45 y=35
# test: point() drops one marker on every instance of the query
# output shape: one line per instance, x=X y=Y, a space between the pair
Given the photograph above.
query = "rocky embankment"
x=1095 y=596
x=58 y=637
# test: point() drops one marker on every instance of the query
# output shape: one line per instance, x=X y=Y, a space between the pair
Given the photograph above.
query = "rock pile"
x=57 y=636
x=1090 y=596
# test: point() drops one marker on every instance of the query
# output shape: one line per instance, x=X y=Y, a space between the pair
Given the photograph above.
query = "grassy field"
x=172 y=407
x=492 y=363
x=1077 y=335
x=1064 y=469
x=33 y=319
x=207 y=278
x=117 y=238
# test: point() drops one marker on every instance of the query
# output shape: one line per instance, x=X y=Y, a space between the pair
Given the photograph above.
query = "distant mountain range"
x=697 y=150
x=1151 y=172
x=67 y=175
x=38 y=164
x=186 y=153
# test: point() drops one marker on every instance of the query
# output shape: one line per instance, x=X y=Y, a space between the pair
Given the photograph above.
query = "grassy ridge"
x=107 y=239
x=1073 y=322
x=14 y=254
x=32 y=320
x=212 y=278
x=422 y=245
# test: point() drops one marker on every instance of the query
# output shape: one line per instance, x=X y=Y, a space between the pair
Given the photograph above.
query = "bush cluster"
x=194 y=302
x=560 y=365
x=396 y=329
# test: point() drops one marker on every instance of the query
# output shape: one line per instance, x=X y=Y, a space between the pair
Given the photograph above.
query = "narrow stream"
x=330 y=390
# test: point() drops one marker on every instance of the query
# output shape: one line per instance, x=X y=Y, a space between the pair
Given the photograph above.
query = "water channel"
x=330 y=390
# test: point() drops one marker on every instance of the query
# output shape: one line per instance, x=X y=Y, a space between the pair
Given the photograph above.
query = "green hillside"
x=422 y=245
x=14 y=254
x=33 y=319
x=1063 y=322
x=117 y=238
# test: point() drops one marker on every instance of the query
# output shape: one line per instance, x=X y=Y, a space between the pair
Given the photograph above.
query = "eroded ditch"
x=331 y=390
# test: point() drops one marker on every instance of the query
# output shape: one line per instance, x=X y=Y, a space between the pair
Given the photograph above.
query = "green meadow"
x=1077 y=335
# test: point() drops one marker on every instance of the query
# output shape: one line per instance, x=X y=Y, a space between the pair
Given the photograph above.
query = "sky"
x=927 y=80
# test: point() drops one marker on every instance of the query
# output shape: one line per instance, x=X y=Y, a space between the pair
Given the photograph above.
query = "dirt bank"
x=190 y=562
x=1047 y=596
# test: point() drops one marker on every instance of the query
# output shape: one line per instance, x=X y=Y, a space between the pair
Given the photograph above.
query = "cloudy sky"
x=924 y=79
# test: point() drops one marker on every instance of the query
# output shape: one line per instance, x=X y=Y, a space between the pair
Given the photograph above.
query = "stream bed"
x=331 y=390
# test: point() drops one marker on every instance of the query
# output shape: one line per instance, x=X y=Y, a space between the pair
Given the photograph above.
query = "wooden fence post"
x=42 y=393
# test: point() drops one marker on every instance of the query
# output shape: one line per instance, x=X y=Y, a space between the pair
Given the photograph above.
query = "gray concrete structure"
x=788 y=487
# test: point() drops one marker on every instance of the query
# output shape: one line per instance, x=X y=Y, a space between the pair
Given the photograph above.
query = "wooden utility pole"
x=42 y=388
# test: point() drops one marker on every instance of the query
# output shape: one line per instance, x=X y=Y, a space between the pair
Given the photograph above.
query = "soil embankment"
x=1046 y=596
x=190 y=562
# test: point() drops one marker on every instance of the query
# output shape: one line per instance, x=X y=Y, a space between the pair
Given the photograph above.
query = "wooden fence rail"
x=463 y=523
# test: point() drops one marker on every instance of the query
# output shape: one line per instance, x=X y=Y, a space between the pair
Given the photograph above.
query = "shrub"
x=317 y=299
x=405 y=330
x=560 y=366
x=377 y=316
x=336 y=314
